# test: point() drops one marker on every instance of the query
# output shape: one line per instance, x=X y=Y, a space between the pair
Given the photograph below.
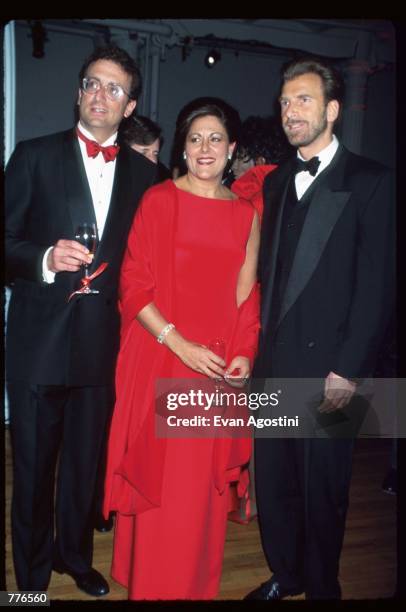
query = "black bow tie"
x=307 y=166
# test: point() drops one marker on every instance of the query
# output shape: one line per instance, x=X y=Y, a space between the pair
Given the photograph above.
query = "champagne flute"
x=86 y=234
x=218 y=346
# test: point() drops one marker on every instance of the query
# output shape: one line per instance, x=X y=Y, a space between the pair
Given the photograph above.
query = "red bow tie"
x=93 y=148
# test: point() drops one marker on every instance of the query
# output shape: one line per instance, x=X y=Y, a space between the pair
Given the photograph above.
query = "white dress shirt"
x=100 y=175
x=304 y=179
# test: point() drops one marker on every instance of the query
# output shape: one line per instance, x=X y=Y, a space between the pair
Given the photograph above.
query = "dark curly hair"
x=123 y=59
x=263 y=137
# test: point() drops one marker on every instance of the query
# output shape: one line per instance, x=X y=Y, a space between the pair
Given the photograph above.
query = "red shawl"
x=135 y=456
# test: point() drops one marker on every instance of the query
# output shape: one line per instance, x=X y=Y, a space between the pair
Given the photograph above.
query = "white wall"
x=248 y=82
x=47 y=88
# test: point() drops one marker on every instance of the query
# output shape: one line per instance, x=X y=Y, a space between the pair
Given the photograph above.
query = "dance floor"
x=368 y=562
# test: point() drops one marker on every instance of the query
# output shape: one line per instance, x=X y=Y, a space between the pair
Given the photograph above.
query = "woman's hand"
x=241 y=365
x=196 y=356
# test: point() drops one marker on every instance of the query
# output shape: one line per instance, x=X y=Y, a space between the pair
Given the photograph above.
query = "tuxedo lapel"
x=79 y=197
x=122 y=197
x=270 y=238
x=324 y=211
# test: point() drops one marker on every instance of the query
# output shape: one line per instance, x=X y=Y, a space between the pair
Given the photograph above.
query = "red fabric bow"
x=93 y=148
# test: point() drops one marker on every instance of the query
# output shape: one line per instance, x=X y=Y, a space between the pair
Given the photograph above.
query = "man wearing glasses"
x=62 y=345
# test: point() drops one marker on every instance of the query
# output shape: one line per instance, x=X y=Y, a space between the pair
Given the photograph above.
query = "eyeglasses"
x=113 y=91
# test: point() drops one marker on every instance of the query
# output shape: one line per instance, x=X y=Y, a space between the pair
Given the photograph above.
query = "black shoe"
x=103 y=525
x=91 y=582
x=272 y=589
x=390 y=483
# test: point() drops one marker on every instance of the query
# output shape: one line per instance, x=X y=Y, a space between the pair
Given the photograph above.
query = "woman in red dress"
x=188 y=276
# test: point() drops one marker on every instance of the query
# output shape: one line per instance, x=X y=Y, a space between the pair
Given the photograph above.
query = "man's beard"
x=314 y=132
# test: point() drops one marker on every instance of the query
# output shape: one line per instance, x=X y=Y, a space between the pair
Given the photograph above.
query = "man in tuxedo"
x=327 y=271
x=61 y=352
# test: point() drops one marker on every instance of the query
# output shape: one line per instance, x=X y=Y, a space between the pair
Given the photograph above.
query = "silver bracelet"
x=165 y=332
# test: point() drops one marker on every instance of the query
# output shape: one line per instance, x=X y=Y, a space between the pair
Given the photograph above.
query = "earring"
x=229 y=156
x=184 y=155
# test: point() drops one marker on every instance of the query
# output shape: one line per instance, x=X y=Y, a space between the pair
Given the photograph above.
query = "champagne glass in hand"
x=218 y=346
x=86 y=234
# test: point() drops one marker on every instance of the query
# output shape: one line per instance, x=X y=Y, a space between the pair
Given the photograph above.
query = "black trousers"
x=302 y=488
x=54 y=526
x=101 y=469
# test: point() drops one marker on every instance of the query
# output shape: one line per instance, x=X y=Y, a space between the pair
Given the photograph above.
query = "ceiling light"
x=212 y=58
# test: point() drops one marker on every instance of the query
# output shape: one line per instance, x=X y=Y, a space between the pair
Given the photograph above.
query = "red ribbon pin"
x=86 y=280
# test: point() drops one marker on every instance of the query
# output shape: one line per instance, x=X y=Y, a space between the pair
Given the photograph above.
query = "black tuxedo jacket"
x=51 y=341
x=340 y=291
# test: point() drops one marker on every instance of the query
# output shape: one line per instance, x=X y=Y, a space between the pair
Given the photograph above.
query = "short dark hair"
x=140 y=130
x=120 y=57
x=202 y=107
x=332 y=82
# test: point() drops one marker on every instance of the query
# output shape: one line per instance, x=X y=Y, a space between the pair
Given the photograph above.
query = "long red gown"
x=171 y=495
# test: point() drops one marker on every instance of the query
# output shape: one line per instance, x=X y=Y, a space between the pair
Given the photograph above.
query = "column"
x=356 y=80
